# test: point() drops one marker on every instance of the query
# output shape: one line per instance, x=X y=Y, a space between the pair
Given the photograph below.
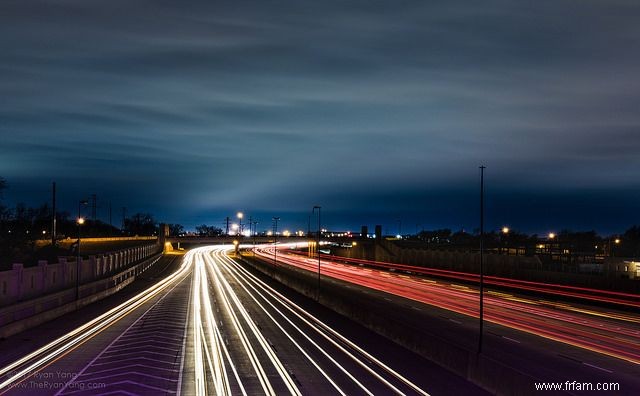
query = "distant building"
x=622 y=268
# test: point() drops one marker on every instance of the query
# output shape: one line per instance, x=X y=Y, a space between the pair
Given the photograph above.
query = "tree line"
x=626 y=244
x=22 y=226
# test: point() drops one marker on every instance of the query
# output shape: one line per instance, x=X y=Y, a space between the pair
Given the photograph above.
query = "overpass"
x=221 y=240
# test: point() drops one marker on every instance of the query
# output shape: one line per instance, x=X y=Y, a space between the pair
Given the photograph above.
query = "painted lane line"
x=597 y=367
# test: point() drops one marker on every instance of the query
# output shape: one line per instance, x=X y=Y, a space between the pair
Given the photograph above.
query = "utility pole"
x=110 y=223
x=227 y=219
x=124 y=216
x=53 y=215
x=482 y=168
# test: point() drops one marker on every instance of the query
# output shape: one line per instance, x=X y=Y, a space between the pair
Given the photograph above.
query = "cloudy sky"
x=377 y=110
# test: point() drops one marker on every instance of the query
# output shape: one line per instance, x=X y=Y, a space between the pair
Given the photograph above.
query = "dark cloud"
x=191 y=109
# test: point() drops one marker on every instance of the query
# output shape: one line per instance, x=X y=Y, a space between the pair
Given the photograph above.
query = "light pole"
x=240 y=216
x=505 y=235
x=275 y=240
x=616 y=241
x=482 y=168
x=80 y=222
x=318 y=247
x=255 y=231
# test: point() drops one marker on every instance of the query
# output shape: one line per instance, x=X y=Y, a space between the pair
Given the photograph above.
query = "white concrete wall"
x=20 y=284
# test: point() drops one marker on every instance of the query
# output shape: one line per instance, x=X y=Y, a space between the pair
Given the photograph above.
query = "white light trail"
x=30 y=364
x=318 y=326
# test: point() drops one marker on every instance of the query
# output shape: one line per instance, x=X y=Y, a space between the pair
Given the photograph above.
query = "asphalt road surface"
x=207 y=325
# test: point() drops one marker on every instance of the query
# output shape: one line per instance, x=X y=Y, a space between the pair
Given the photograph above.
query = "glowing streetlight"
x=505 y=232
x=616 y=242
x=80 y=222
x=275 y=241
x=240 y=216
x=552 y=235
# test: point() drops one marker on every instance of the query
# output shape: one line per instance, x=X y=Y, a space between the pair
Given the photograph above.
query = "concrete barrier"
x=20 y=283
x=33 y=312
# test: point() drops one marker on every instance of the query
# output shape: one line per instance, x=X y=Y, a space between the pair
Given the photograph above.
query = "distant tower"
x=378 y=232
x=364 y=232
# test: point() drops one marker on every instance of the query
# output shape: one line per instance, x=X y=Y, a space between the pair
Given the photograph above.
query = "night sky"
x=377 y=110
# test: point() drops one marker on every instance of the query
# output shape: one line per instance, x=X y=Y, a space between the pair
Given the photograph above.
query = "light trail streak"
x=31 y=363
x=315 y=324
x=620 y=298
x=220 y=279
x=562 y=322
x=297 y=345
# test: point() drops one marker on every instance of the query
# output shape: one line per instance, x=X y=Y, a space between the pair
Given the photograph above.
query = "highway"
x=605 y=331
x=214 y=327
x=278 y=347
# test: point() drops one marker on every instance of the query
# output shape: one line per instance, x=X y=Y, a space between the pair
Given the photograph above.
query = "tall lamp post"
x=318 y=247
x=240 y=216
x=505 y=235
x=80 y=222
x=611 y=246
x=275 y=240
x=482 y=168
x=255 y=231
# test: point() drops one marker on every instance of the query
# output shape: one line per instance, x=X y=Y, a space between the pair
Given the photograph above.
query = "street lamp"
x=80 y=222
x=275 y=240
x=318 y=246
x=482 y=168
x=617 y=242
x=255 y=231
x=505 y=233
x=240 y=216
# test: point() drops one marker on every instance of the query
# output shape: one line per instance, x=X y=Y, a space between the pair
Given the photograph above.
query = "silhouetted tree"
x=630 y=243
x=581 y=241
x=205 y=230
x=140 y=224
x=441 y=236
x=175 y=229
